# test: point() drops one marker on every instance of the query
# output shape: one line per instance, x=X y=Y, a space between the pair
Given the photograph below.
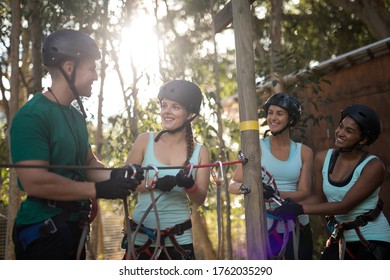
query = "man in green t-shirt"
x=50 y=134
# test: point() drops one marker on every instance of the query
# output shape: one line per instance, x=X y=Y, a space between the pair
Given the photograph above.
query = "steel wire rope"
x=219 y=179
x=86 y=167
x=126 y=209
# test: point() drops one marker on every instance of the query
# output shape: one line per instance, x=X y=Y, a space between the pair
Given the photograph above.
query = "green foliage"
x=317 y=29
x=4 y=158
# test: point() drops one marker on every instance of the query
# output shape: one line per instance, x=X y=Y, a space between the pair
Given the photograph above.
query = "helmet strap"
x=71 y=80
x=356 y=146
x=173 y=131
x=283 y=129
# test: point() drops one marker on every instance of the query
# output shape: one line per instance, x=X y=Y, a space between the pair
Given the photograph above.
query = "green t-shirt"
x=44 y=130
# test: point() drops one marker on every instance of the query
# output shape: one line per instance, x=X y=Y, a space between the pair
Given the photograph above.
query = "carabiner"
x=218 y=179
x=151 y=166
x=191 y=166
x=134 y=171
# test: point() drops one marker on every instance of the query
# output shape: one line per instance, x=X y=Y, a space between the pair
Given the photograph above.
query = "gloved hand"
x=116 y=188
x=121 y=172
x=166 y=183
x=289 y=210
x=183 y=181
x=269 y=192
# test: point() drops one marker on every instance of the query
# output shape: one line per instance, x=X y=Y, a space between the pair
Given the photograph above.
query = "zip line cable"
x=84 y=167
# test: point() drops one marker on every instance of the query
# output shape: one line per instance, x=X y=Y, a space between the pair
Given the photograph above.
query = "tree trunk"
x=14 y=193
x=96 y=225
x=276 y=35
x=36 y=41
x=256 y=230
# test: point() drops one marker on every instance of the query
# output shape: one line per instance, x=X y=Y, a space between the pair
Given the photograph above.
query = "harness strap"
x=286 y=236
x=27 y=234
x=185 y=254
x=177 y=229
x=272 y=231
x=360 y=221
x=171 y=232
x=296 y=237
x=71 y=206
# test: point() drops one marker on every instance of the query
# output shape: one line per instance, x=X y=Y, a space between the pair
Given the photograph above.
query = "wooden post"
x=256 y=230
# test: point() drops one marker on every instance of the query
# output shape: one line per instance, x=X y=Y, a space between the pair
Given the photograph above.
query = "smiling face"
x=85 y=76
x=277 y=118
x=173 y=114
x=347 y=133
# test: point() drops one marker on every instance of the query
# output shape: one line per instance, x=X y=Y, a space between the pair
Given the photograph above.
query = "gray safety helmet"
x=367 y=119
x=67 y=43
x=184 y=92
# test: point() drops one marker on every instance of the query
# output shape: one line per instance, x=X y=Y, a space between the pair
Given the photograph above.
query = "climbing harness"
x=268 y=179
x=86 y=210
x=155 y=236
x=152 y=234
x=337 y=231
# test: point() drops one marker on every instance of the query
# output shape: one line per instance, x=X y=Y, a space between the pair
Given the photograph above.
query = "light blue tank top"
x=172 y=207
x=286 y=174
x=378 y=229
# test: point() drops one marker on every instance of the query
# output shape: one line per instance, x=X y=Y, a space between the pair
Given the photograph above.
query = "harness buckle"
x=52 y=203
x=48 y=227
x=179 y=229
x=187 y=255
x=361 y=221
x=335 y=233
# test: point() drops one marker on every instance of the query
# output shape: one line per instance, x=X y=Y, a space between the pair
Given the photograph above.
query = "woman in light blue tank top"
x=290 y=164
x=175 y=189
x=347 y=185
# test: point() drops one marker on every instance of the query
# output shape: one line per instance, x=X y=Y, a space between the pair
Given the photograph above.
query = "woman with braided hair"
x=290 y=165
x=174 y=146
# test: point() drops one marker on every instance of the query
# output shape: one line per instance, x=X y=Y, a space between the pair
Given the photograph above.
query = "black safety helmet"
x=287 y=102
x=184 y=92
x=67 y=43
x=367 y=119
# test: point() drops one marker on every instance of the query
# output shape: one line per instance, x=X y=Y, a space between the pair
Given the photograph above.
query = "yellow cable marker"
x=249 y=125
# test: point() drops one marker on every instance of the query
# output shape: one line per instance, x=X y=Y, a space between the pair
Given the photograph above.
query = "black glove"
x=116 y=188
x=289 y=210
x=166 y=183
x=269 y=192
x=121 y=172
x=183 y=181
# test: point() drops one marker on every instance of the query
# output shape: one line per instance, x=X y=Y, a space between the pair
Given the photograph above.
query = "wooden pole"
x=256 y=230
